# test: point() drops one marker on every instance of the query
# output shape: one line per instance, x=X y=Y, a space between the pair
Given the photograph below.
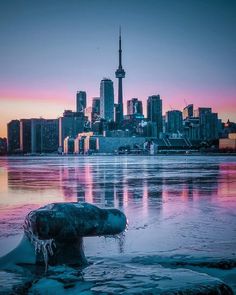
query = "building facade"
x=191 y=128
x=69 y=145
x=107 y=100
x=228 y=144
x=36 y=135
x=174 y=122
x=3 y=146
x=154 y=112
x=134 y=106
x=188 y=111
x=25 y=135
x=81 y=101
x=13 y=136
x=208 y=123
x=70 y=125
x=95 y=108
x=50 y=135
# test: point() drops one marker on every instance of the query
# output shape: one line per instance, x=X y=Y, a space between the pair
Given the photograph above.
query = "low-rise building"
x=113 y=144
x=228 y=143
x=69 y=145
x=3 y=146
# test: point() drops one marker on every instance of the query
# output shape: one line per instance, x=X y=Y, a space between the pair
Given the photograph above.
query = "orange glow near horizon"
x=50 y=104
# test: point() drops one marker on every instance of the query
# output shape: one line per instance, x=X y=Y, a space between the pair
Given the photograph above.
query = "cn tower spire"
x=120 y=74
x=120 y=50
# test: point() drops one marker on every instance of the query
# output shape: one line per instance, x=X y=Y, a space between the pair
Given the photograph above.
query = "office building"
x=25 y=135
x=81 y=101
x=228 y=144
x=174 y=122
x=81 y=142
x=3 y=146
x=154 y=112
x=191 y=128
x=188 y=111
x=36 y=136
x=95 y=108
x=107 y=100
x=134 y=107
x=88 y=113
x=70 y=125
x=99 y=126
x=208 y=122
x=13 y=136
x=44 y=135
x=50 y=135
x=69 y=145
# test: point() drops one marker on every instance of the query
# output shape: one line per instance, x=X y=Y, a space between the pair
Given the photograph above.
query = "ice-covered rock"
x=54 y=233
x=109 y=277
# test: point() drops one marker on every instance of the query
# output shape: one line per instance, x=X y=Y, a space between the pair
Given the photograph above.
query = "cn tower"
x=120 y=74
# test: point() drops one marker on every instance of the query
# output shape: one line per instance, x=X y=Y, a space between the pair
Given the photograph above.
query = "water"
x=179 y=208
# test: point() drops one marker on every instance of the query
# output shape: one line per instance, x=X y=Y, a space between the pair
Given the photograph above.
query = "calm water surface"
x=174 y=204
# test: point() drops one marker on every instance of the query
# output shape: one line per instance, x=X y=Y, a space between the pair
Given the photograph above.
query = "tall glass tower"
x=81 y=101
x=154 y=112
x=107 y=100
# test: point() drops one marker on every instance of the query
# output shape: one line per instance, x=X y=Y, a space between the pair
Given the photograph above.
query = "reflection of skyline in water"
x=168 y=195
x=115 y=185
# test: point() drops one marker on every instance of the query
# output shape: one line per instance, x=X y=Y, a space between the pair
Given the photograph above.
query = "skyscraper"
x=70 y=124
x=192 y=128
x=95 y=108
x=208 y=123
x=154 y=112
x=188 y=111
x=13 y=136
x=88 y=114
x=96 y=105
x=174 y=121
x=36 y=135
x=107 y=99
x=81 y=101
x=120 y=74
x=134 y=106
x=50 y=135
x=44 y=135
x=25 y=135
x=3 y=146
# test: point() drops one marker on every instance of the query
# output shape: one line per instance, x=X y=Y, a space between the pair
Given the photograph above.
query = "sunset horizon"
x=118 y=147
x=51 y=51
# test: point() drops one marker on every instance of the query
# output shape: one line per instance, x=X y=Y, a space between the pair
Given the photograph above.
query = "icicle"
x=41 y=246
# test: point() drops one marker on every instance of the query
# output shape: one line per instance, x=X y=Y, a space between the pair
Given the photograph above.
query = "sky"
x=184 y=50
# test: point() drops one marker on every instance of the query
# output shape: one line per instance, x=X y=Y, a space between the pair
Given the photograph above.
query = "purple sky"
x=184 y=50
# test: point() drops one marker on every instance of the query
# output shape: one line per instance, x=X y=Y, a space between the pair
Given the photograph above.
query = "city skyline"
x=44 y=81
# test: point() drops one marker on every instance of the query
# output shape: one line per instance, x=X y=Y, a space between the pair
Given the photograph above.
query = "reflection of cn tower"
x=95 y=185
x=84 y=184
x=105 y=187
x=121 y=198
x=76 y=183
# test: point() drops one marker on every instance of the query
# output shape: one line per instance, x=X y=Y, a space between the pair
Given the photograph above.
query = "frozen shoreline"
x=164 y=273
x=167 y=153
x=115 y=276
x=181 y=212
